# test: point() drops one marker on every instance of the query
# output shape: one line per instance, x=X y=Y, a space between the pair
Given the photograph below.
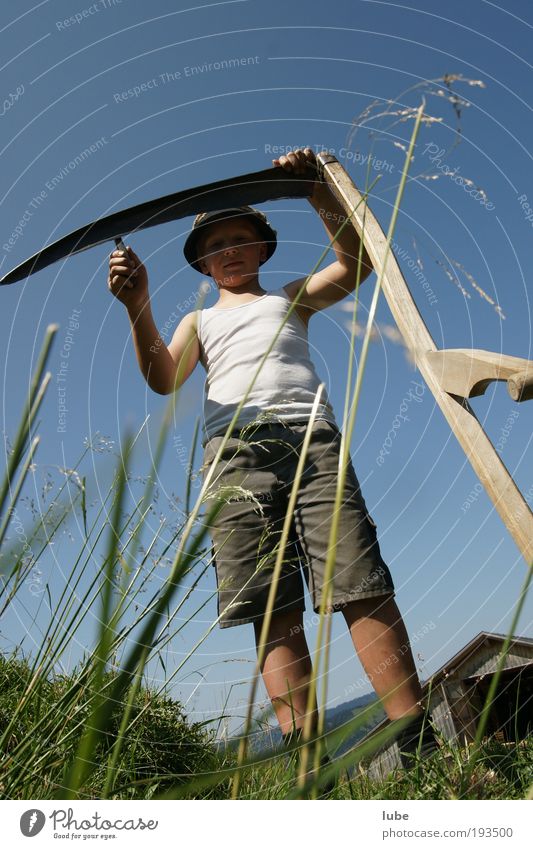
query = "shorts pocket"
x=211 y=448
x=372 y=528
x=322 y=425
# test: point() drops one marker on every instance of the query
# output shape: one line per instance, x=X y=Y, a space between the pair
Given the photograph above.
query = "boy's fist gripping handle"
x=122 y=247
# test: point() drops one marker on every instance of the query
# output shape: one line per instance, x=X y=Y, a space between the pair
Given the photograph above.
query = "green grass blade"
x=81 y=766
x=343 y=464
x=31 y=407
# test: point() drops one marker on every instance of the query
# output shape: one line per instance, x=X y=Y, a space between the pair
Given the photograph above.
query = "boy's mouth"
x=231 y=265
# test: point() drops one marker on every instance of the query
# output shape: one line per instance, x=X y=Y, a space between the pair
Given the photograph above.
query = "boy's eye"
x=214 y=246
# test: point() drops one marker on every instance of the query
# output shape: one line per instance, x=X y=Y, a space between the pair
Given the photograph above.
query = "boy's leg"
x=381 y=642
x=286 y=668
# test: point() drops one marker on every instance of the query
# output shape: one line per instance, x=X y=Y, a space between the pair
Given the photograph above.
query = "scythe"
x=257 y=187
x=452 y=375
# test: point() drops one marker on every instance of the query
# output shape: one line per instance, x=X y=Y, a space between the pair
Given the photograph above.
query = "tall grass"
x=84 y=733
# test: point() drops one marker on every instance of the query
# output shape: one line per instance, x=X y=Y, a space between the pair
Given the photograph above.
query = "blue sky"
x=152 y=89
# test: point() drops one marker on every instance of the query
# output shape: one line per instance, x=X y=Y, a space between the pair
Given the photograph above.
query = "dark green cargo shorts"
x=253 y=479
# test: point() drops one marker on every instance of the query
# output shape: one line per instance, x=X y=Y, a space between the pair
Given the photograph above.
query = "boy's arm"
x=338 y=279
x=164 y=369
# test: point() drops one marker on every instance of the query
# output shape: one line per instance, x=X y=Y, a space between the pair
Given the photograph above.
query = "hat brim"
x=267 y=234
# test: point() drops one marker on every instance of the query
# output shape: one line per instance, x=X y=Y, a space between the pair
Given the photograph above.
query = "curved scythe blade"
x=247 y=189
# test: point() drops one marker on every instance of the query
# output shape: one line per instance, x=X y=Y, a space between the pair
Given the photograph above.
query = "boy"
x=229 y=339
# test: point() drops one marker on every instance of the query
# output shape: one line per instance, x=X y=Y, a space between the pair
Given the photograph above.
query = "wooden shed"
x=458 y=690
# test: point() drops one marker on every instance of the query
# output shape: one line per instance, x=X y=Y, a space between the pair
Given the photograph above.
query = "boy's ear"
x=204 y=268
x=263 y=251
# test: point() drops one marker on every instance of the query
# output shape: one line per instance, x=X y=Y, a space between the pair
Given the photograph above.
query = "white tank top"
x=232 y=344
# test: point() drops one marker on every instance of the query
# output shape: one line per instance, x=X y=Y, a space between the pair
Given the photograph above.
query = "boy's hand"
x=301 y=161
x=127 y=279
x=297 y=161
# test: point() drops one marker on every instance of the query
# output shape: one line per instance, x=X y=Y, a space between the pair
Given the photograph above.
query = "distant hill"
x=335 y=717
x=340 y=715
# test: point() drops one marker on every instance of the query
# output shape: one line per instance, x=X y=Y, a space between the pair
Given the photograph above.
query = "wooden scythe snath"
x=452 y=375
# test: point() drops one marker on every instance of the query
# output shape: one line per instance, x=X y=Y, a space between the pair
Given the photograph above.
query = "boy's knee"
x=361 y=607
x=283 y=625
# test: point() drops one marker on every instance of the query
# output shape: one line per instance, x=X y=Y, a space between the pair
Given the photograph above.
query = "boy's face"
x=231 y=251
